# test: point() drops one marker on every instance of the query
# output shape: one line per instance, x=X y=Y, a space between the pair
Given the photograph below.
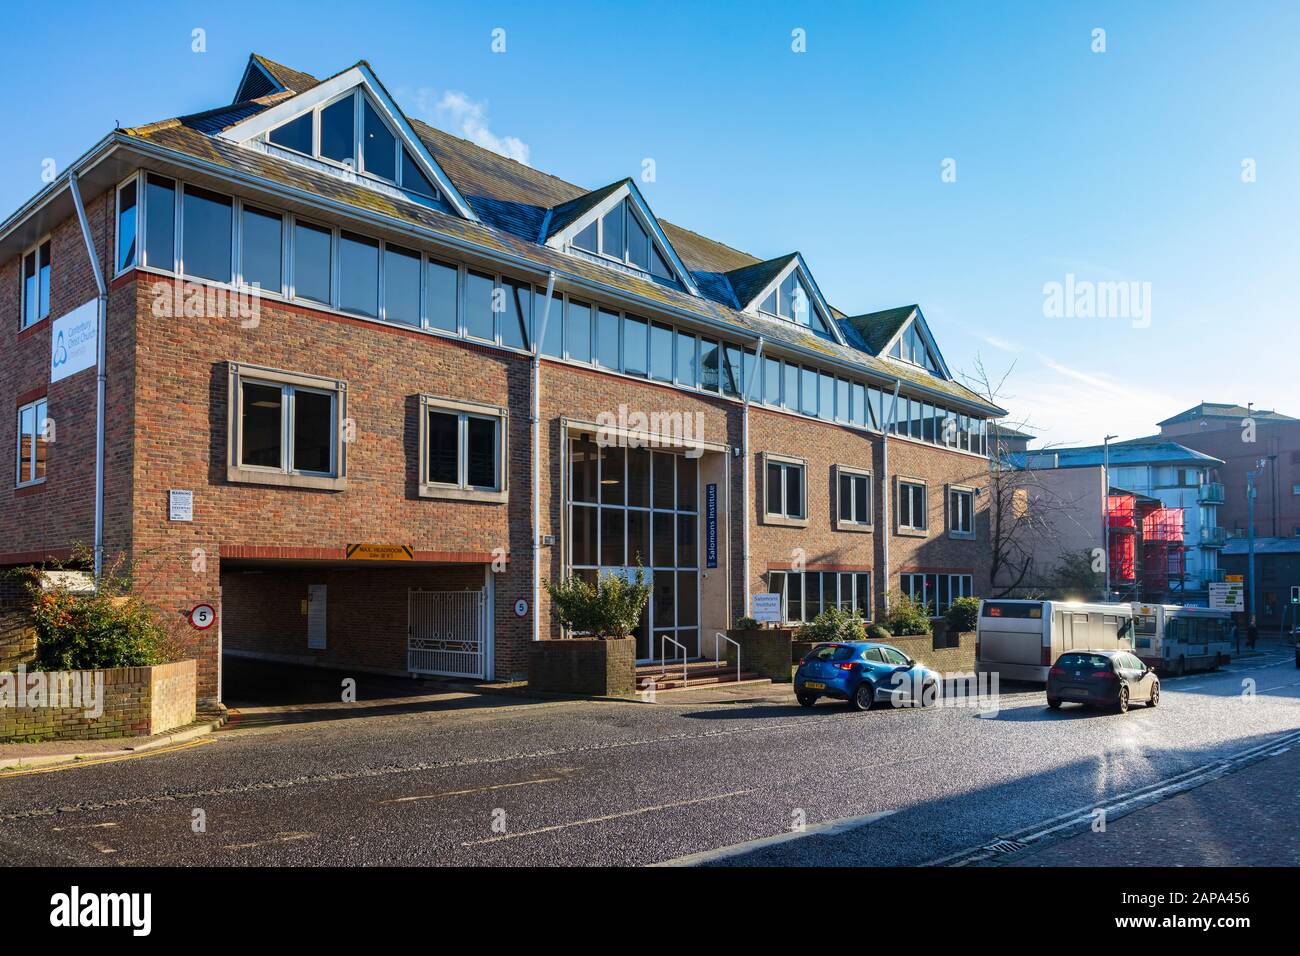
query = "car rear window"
x=1095 y=661
x=834 y=652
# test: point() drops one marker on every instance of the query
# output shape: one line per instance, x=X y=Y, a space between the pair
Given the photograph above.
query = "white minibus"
x=1021 y=639
x=1176 y=639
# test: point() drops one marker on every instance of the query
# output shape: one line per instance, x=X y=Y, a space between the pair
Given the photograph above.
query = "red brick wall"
x=181 y=443
x=57 y=516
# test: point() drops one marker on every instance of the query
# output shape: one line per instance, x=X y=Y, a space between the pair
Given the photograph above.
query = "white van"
x=1175 y=639
x=1019 y=640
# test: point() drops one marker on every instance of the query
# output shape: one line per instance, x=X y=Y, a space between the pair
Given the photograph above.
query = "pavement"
x=449 y=775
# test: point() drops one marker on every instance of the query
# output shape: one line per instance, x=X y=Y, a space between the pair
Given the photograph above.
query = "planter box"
x=765 y=652
x=123 y=702
x=583 y=665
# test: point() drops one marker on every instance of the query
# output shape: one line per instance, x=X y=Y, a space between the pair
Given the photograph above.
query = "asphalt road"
x=498 y=780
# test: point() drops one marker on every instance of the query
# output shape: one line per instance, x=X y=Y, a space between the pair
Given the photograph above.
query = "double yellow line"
x=9 y=774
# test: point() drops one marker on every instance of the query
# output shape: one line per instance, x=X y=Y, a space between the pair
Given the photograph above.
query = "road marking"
x=85 y=826
x=609 y=816
x=102 y=848
x=94 y=762
x=830 y=828
x=1120 y=804
x=1262 y=690
x=281 y=838
x=496 y=786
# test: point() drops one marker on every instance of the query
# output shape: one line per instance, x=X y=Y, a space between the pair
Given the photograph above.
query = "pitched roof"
x=1219 y=410
x=292 y=80
x=511 y=201
x=875 y=329
x=567 y=213
x=749 y=281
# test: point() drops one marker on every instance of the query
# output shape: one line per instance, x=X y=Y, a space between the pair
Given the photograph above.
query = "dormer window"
x=911 y=347
x=352 y=132
x=620 y=235
x=790 y=300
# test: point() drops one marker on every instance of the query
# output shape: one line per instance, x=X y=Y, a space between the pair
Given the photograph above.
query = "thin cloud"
x=1005 y=345
x=460 y=113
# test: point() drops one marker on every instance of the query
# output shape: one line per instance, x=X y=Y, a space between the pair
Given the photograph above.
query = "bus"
x=1175 y=639
x=1021 y=639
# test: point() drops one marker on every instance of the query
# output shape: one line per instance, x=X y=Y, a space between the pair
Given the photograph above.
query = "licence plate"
x=815 y=685
x=1074 y=692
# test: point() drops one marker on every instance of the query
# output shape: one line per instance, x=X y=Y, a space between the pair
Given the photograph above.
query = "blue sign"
x=711 y=526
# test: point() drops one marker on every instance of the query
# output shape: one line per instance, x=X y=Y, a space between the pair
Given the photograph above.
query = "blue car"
x=864 y=673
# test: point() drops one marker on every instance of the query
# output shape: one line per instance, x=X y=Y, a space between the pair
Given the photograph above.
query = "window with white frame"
x=127 y=224
x=622 y=235
x=33 y=434
x=35 y=291
x=911 y=506
x=935 y=591
x=352 y=131
x=805 y=594
x=785 y=498
x=286 y=428
x=854 y=507
x=961 y=511
x=462 y=449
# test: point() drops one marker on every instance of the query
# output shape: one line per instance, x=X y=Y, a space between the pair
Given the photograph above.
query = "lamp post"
x=1250 y=538
x=1105 y=507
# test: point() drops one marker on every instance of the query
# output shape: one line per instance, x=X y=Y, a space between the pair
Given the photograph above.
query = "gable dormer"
x=901 y=335
x=613 y=225
x=349 y=127
x=784 y=289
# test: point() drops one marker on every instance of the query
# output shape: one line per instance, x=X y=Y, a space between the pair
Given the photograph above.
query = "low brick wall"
x=17 y=636
x=765 y=652
x=136 y=701
x=945 y=653
x=583 y=666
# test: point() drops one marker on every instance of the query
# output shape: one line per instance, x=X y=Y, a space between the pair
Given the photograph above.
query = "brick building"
x=1242 y=437
x=323 y=403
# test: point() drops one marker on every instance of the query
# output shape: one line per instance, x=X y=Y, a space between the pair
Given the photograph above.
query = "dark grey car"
x=1102 y=679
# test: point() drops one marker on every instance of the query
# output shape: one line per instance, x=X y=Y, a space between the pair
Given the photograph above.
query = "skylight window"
x=330 y=132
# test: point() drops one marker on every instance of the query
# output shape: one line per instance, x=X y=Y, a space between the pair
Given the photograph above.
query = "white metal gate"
x=446 y=633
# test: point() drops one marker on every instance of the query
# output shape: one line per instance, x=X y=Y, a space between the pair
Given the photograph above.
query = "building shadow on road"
x=271 y=693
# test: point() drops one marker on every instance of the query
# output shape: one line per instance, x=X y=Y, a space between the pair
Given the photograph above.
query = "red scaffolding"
x=1146 y=544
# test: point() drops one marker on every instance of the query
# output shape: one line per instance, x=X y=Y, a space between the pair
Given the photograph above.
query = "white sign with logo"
x=180 y=505
x=765 y=607
x=74 y=341
x=1227 y=596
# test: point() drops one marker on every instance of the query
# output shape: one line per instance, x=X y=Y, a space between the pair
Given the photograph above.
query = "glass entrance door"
x=638 y=505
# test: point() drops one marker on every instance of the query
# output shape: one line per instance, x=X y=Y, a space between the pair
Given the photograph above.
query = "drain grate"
x=1005 y=846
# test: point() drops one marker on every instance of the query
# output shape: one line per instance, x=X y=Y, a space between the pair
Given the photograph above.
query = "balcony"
x=1210 y=493
x=1210 y=576
x=1213 y=537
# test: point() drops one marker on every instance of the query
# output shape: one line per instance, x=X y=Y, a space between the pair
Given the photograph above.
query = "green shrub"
x=608 y=609
x=878 y=632
x=747 y=624
x=907 y=616
x=963 y=615
x=834 y=624
x=95 y=631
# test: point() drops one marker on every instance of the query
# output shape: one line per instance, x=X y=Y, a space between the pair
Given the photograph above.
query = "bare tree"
x=1025 y=508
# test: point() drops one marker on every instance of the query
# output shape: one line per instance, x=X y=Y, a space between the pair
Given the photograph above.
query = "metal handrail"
x=663 y=661
x=718 y=660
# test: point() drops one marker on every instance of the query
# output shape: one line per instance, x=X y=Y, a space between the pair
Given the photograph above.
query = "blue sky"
x=1116 y=166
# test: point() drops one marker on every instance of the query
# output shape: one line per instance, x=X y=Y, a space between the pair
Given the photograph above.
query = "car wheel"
x=1054 y=703
x=1155 y=695
x=1121 y=704
x=806 y=700
x=864 y=698
x=929 y=692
